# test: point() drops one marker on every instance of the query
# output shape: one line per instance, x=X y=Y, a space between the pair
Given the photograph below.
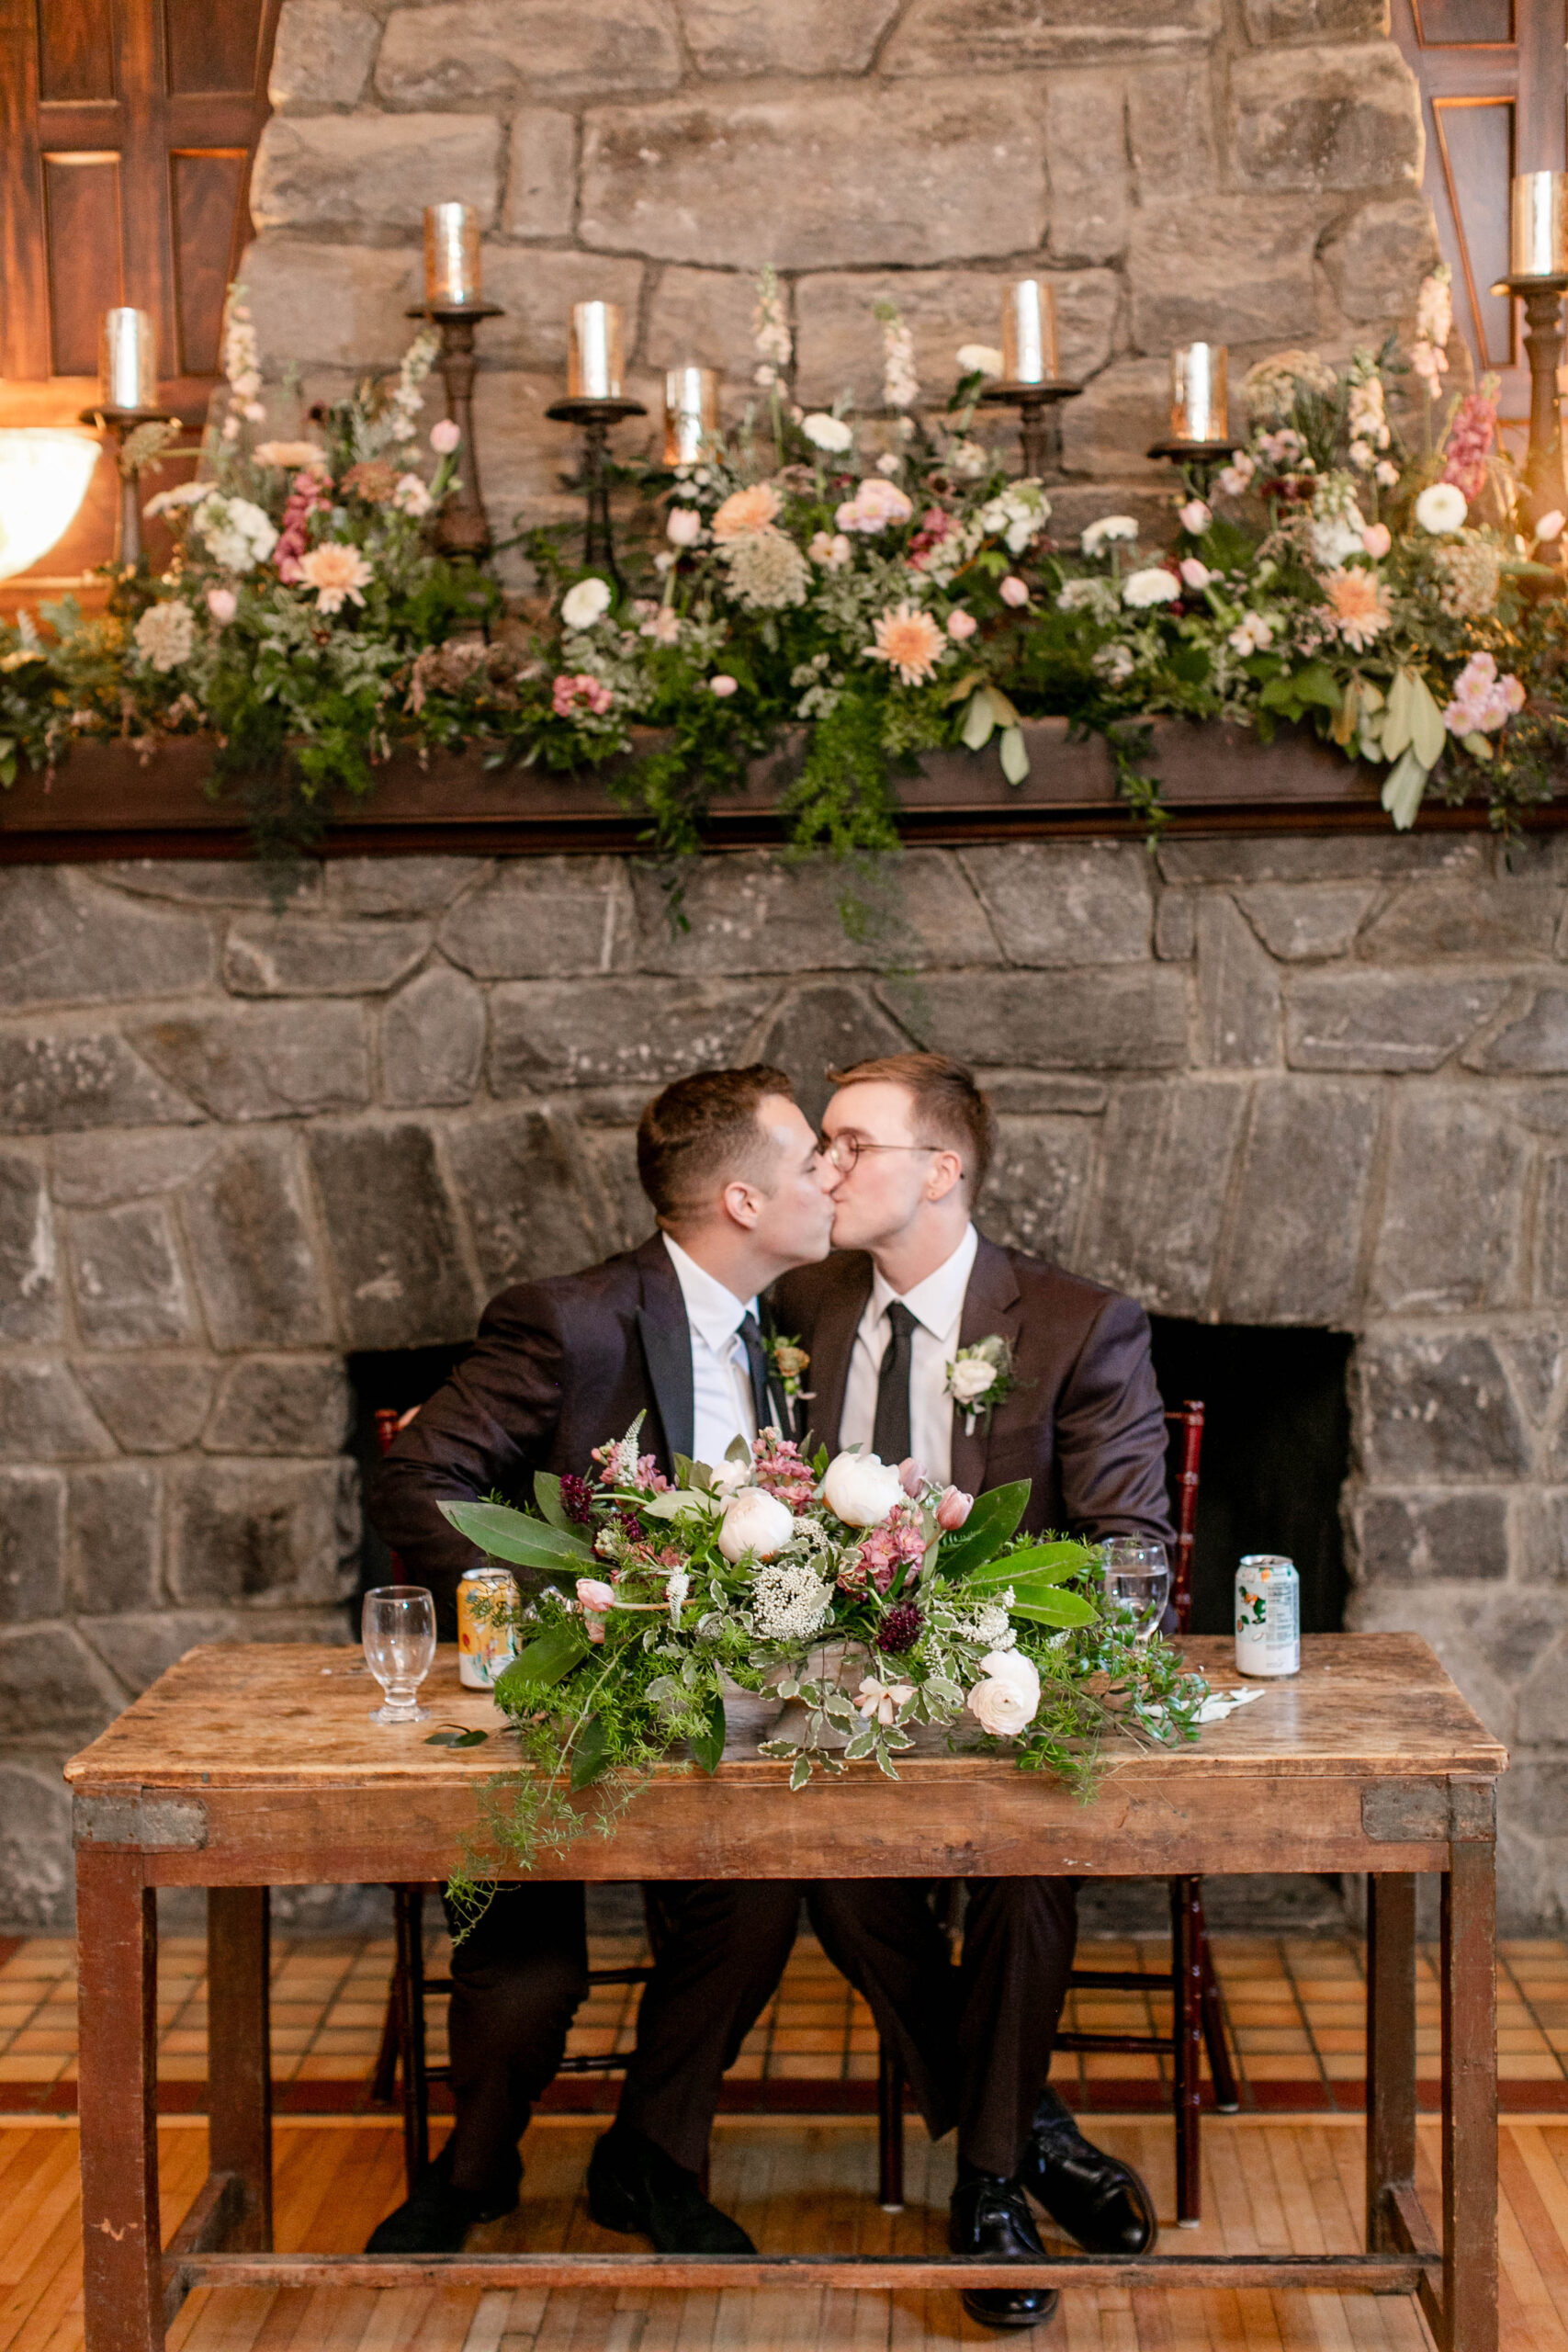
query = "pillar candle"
x=127 y=365
x=690 y=413
x=1028 y=333
x=451 y=255
x=593 y=355
x=1198 y=407
x=1537 y=244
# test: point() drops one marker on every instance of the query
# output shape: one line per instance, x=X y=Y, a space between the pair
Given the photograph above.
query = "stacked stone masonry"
x=1288 y=1080
x=1246 y=171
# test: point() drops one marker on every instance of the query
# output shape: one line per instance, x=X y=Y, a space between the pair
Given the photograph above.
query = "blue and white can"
x=1267 y=1615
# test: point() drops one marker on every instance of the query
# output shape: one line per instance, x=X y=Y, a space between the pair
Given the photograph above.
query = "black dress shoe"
x=1096 y=2199
x=634 y=2188
x=989 y=2215
x=437 y=2217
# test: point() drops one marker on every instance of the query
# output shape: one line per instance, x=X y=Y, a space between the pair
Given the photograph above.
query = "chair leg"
x=408 y=1910
x=889 y=2131
x=1188 y=2034
x=1227 y=2097
x=384 y=2078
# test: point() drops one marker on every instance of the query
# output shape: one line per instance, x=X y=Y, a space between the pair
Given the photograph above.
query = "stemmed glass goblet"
x=399 y=1626
x=1137 y=1578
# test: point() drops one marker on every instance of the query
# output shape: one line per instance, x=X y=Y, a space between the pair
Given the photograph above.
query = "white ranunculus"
x=1010 y=1665
x=755 y=1522
x=1441 y=508
x=1009 y=1697
x=585 y=604
x=1110 y=527
x=825 y=432
x=861 y=1489
x=1155 y=586
x=971 y=1375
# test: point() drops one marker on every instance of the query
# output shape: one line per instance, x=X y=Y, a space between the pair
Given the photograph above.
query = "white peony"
x=755 y=1522
x=731 y=1474
x=585 y=604
x=971 y=1375
x=1009 y=1697
x=825 y=432
x=861 y=1489
x=1155 y=586
x=1099 y=535
x=1441 y=508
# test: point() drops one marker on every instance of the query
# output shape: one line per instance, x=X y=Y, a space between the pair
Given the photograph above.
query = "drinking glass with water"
x=398 y=1625
x=1137 y=1582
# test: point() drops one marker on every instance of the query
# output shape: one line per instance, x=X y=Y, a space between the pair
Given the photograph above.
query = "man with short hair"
x=669 y=1330
x=909 y=1282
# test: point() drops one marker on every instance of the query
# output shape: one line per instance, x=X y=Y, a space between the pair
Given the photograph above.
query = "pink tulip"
x=961 y=625
x=222 y=603
x=953 y=1510
x=1377 y=539
x=595 y=1595
x=1014 y=591
x=445 y=437
x=911 y=1477
x=723 y=685
x=1195 y=517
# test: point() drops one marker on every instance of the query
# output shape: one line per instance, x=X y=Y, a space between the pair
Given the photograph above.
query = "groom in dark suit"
x=669 y=1330
x=909 y=1284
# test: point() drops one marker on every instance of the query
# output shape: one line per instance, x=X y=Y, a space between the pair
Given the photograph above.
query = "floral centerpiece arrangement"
x=879 y=583
x=865 y=1595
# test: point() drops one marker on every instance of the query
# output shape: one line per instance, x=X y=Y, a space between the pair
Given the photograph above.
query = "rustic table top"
x=286 y=1716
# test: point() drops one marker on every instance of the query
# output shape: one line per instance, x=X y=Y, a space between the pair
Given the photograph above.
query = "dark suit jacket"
x=1085 y=1422
x=560 y=1366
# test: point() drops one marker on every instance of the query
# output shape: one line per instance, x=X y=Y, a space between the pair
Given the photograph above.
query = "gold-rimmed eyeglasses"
x=843 y=1150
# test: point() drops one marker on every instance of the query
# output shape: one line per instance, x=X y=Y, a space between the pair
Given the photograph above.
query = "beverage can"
x=1267 y=1615
x=485 y=1643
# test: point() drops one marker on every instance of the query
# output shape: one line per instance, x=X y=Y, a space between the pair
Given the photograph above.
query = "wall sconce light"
x=44 y=474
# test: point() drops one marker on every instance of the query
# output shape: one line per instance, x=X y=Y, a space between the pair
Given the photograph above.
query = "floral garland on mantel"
x=879 y=579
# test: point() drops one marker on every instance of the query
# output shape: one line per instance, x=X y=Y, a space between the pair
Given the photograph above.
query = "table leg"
x=238 y=2057
x=1187 y=2036
x=117 y=1926
x=1391 y=2054
x=1470 y=2099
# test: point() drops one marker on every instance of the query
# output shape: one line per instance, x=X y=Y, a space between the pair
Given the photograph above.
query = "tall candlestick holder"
x=119 y=425
x=462 y=527
x=1202 y=459
x=1039 y=421
x=1545 y=489
x=593 y=417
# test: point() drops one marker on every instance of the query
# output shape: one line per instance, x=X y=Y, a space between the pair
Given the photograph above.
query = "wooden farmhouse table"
x=247 y=1768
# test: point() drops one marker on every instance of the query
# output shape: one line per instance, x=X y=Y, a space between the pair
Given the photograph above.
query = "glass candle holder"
x=452 y=277
x=690 y=413
x=1198 y=396
x=1538 y=225
x=595 y=364
x=1028 y=333
x=128 y=361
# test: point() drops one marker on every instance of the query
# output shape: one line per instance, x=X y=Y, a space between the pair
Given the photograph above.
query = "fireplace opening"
x=394 y=1379
x=1276 y=1457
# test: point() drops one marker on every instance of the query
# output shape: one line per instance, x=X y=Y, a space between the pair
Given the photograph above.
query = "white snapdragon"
x=1018 y=515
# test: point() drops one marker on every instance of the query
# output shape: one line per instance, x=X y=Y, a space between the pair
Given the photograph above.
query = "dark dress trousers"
x=560 y=1366
x=1086 y=1424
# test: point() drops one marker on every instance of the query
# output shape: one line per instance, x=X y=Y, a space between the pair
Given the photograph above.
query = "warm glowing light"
x=44 y=475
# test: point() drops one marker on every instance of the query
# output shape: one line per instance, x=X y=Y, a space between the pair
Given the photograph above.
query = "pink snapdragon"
x=898 y=1543
x=305 y=498
x=575 y=693
x=1469 y=444
x=782 y=1471
x=1483 y=702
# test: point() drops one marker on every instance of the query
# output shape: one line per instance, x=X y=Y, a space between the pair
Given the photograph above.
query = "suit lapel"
x=667 y=1351
x=992 y=1304
x=832 y=1344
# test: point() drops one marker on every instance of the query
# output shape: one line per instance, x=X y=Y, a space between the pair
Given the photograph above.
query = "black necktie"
x=890 y=1431
x=757 y=1365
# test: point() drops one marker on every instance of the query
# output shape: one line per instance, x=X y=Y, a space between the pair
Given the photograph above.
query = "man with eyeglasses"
x=910 y=1280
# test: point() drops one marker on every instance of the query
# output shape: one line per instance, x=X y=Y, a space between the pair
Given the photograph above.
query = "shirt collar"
x=714 y=1313
x=936 y=1303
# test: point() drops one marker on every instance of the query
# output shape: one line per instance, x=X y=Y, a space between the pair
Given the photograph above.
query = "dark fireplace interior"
x=1276 y=1457
x=397 y=1377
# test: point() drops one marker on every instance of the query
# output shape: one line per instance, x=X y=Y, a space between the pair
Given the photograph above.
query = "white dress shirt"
x=721 y=1377
x=937 y=1306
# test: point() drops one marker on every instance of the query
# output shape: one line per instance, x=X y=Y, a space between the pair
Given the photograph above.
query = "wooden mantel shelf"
x=106 y=801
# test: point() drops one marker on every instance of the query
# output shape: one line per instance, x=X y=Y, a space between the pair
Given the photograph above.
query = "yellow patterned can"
x=485 y=1640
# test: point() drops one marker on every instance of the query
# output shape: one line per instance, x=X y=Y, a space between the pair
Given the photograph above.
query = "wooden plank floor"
x=1271 y=2185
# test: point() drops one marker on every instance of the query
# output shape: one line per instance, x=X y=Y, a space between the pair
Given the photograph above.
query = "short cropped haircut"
x=702 y=1132
x=949 y=1108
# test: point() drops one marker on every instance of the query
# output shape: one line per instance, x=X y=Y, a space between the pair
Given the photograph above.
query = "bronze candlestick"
x=594 y=416
x=1039 y=421
x=119 y=424
x=1205 y=458
x=1545 y=488
x=462 y=527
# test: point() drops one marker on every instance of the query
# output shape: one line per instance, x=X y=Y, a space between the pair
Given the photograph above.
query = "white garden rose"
x=861 y=1489
x=1008 y=1699
x=755 y=1522
x=971 y=1375
x=1441 y=508
x=825 y=432
x=585 y=604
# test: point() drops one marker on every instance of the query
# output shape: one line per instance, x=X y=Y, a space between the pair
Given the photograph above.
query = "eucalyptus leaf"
x=988 y=1526
x=1014 y=753
x=590 y=1754
x=456 y=1735
x=1061 y=1609
x=979 y=720
x=708 y=1746
x=1401 y=790
x=1428 y=733
x=502 y=1533
x=549 y=1657
x=547 y=1495
x=1041 y=1562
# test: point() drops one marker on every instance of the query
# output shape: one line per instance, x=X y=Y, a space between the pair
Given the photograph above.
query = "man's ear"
x=947 y=1169
x=741 y=1203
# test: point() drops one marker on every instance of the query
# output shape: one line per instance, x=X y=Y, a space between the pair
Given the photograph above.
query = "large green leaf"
x=590 y=1754
x=1041 y=1564
x=549 y=1657
x=1047 y=1606
x=708 y=1746
x=988 y=1526
x=504 y=1534
x=547 y=1494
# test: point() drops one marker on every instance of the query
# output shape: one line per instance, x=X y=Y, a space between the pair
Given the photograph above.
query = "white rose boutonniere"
x=979 y=1378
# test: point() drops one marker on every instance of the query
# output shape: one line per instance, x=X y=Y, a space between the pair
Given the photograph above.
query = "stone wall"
x=1245 y=171
x=1299 y=1082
